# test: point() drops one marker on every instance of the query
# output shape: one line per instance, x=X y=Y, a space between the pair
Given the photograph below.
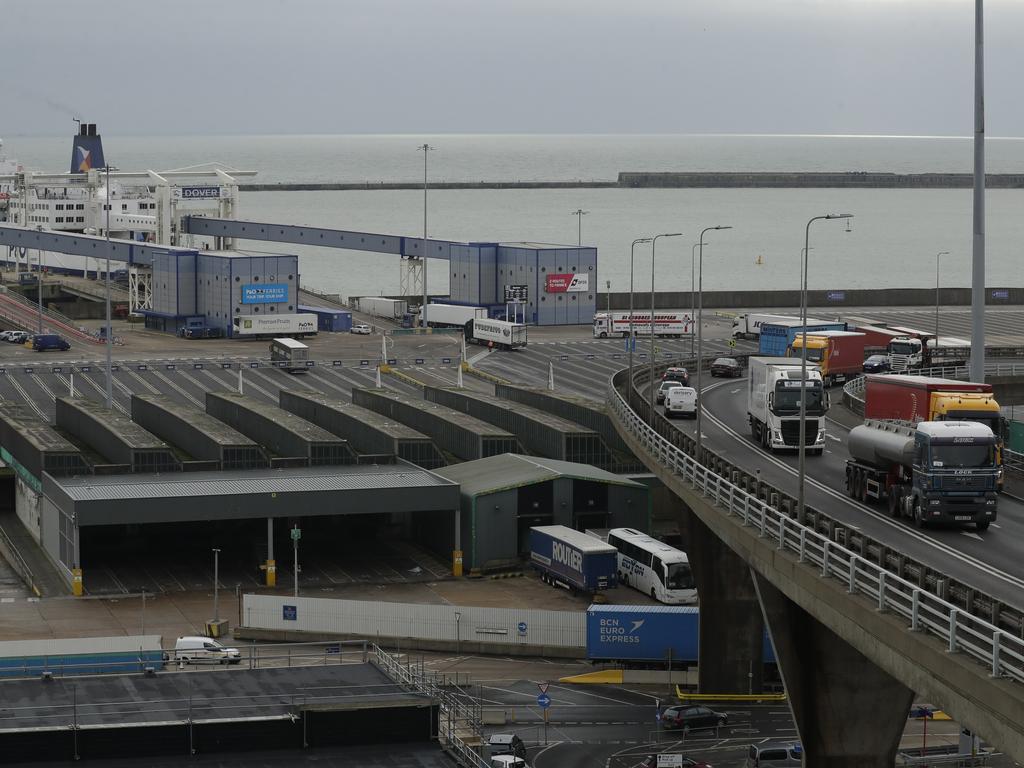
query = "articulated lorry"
x=773 y=404
x=573 y=560
x=924 y=398
x=378 y=306
x=916 y=349
x=839 y=355
x=931 y=472
x=777 y=337
x=452 y=315
x=500 y=333
x=672 y=323
x=748 y=326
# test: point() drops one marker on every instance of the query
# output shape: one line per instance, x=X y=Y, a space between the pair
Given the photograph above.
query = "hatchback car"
x=362 y=328
x=676 y=373
x=726 y=366
x=877 y=364
x=691 y=717
x=670 y=760
x=774 y=754
x=17 y=337
x=663 y=389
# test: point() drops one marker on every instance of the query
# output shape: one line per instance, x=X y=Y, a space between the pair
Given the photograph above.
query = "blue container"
x=330 y=320
x=776 y=338
x=568 y=558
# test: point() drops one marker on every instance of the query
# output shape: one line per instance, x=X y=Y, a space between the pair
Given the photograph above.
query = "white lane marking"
x=833 y=437
x=971 y=534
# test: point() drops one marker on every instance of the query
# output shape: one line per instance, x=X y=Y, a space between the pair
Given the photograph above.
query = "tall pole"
x=579 y=213
x=700 y=333
x=650 y=393
x=295 y=561
x=39 y=286
x=978 y=260
x=216 y=585
x=800 y=512
x=110 y=340
x=608 y=299
x=143 y=610
x=632 y=252
x=425 y=148
x=937 y=255
x=693 y=295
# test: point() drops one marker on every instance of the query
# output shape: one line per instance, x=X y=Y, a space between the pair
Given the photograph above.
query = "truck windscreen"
x=965 y=456
x=813 y=355
x=679 y=576
x=904 y=348
x=787 y=399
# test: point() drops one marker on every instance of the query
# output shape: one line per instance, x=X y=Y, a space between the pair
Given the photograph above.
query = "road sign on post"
x=543 y=701
x=543 y=686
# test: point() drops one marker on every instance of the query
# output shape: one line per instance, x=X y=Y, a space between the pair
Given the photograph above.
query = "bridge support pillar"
x=848 y=711
x=731 y=626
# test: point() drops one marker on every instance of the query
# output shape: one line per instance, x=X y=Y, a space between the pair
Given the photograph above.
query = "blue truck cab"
x=573 y=560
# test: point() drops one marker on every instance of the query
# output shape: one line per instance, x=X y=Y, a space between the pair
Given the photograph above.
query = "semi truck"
x=924 y=398
x=773 y=404
x=452 y=315
x=573 y=560
x=500 y=333
x=748 y=326
x=916 y=349
x=667 y=322
x=776 y=338
x=839 y=355
x=255 y=326
x=931 y=472
x=289 y=354
x=378 y=306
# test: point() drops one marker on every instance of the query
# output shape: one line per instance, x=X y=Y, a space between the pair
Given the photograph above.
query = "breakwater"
x=680 y=180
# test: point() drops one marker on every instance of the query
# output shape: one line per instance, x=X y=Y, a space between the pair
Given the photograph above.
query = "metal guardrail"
x=1000 y=652
x=17 y=562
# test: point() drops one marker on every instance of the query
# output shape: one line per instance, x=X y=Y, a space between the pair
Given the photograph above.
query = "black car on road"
x=690 y=717
x=726 y=366
x=877 y=364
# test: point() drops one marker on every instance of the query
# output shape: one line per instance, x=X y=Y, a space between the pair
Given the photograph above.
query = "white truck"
x=500 y=333
x=452 y=315
x=773 y=404
x=749 y=326
x=378 y=306
x=667 y=322
x=254 y=326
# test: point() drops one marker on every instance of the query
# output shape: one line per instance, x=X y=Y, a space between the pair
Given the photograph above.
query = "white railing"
x=1000 y=652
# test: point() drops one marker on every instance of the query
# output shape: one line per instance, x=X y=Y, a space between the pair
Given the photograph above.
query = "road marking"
x=971 y=534
x=833 y=437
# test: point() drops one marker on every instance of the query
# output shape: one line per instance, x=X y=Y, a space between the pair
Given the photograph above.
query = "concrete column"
x=731 y=625
x=849 y=713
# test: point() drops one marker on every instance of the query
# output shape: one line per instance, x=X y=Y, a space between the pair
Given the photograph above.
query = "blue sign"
x=543 y=701
x=290 y=612
x=333 y=649
x=521 y=626
x=836 y=295
x=271 y=293
x=1002 y=293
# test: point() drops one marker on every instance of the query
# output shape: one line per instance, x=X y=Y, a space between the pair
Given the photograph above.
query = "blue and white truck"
x=572 y=560
x=777 y=336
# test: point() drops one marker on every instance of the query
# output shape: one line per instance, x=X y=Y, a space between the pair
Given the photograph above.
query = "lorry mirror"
x=771 y=399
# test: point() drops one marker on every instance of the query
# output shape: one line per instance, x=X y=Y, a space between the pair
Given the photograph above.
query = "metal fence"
x=1000 y=652
x=562 y=629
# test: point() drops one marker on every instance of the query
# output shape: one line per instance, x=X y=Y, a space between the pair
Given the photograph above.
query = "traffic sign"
x=544 y=701
x=521 y=626
x=732 y=343
x=543 y=687
x=296 y=534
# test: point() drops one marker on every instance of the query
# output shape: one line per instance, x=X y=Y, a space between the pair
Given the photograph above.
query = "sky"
x=143 y=67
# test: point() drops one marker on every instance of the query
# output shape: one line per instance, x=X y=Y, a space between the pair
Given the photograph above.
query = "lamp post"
x=937 y=255
x=700 y=334
x=425 y=149
x=608 y=298
x=693 y=294
x=216 y=585
x=39 y=282
x=800 y=514
x=632 y=252
x=654 y=243
x=110 y=340
x=579 y=213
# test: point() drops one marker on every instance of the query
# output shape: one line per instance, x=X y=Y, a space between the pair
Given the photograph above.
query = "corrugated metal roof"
x=684 y=609
x=509 y=470
x=582 y=541
x=299 y=479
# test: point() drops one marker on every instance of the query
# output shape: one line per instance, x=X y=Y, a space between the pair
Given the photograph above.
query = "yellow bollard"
x=271 y=573
x=76 y=582
x=457 y=562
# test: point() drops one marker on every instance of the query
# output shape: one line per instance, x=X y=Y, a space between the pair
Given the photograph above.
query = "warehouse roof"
x=40 y=434
x=214 y=429
x=509 y=470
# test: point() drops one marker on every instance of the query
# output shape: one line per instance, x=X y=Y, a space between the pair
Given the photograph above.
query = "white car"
x=17 y=337
x=362 y=328
x=5 y=335
x=681 y=401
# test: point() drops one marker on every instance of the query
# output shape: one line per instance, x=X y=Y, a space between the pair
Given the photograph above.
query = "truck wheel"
x=604 y=335
x=981 y=525
x=894 y=503
x=917 y=514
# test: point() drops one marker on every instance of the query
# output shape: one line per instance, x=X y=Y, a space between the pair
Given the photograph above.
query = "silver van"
x=203 y=650
x=774 y=754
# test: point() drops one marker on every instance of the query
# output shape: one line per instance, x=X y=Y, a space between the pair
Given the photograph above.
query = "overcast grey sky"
x=523 y=66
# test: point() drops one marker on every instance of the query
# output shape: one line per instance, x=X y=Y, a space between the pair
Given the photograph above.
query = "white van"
x=774 y=754
x=203 y=650
x=681 y=401
x=508 y=761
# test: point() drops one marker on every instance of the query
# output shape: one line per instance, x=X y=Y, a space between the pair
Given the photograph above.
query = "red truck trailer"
x=913 y=398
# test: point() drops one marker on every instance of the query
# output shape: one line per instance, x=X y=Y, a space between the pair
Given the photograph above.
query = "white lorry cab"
x=203 y=650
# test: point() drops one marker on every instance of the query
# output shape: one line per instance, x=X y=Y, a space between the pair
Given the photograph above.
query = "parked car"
x=774 y=754
x=671 y=760
x=692 y=717
x=507 y=761
x=362 y=328
x=41 y=342
x=4 y=335
x=203 y=650
x=681 y=401
x=726 y=366
x=877 y=364
x=663 y=389
x=17 y=337
x=675 y=373
x=506 y=744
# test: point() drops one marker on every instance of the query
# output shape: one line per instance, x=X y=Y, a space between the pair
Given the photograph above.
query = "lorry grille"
x=791 y=432
x=966 y=483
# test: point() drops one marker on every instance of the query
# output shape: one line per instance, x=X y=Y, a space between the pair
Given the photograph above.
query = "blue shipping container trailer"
x=778 y=337
x=328 y=319
x=81 y=656
x=571 y=559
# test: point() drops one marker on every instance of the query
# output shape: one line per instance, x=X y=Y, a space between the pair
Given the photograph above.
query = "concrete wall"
x=489 y=528
x=27 y=504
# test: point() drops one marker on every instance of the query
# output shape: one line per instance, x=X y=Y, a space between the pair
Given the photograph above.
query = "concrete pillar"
x=270 y=567
x=849 y=713
x=731 y=626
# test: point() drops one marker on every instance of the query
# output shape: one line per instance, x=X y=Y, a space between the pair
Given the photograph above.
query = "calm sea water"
x=892 y=242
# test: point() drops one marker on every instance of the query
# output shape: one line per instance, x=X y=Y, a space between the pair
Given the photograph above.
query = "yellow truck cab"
x=970 y=406
x=839 y=355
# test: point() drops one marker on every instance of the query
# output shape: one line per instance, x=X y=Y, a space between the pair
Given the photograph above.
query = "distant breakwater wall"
x=673 y=180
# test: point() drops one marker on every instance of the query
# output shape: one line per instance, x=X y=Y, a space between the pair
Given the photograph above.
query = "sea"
x=891 y=241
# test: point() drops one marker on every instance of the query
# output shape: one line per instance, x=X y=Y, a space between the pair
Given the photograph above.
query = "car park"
x=41 y=342
x=675 y=373
x=877 y=364
x=362 y=328
x=774 y=754
x=726 y=367
x=681 y=401
x=689 y=717
x=663 y=389
x=203 y=650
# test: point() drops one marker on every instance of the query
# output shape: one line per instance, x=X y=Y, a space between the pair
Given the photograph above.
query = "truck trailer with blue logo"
x=571 y=559
x=777 y=337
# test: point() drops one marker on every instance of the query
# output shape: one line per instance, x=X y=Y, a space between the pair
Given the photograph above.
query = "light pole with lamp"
x=693 y=295
x=579 y=213
x=654 y=243
x=110 y=340
x=425 y=149
x=800 y=512
x=632 y=252
x=39 y=281
x=700 y=334
x=216 y=585
x=937 y=255
x=608 y=299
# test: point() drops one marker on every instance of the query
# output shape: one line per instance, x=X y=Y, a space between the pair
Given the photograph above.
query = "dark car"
x=877 y=364
x=726 y=366
x=673 y=761
x=44 y=341
x=675 y=373
x=507 y=744
x=693 y=716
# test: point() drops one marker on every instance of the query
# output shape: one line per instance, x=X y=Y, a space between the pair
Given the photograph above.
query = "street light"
x=110 y=340
x=693 y=294
x=579 y=213
x=632 y=251
x=937 y=255
x=216 y=585
x=654 y=243
x=425 y=149
x=800 y=516
x=700 y=334
x=39 y=281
